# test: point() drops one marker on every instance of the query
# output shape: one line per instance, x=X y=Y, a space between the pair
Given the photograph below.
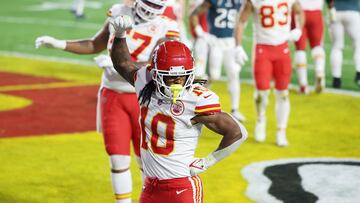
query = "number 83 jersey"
x=169 y=139
x=272 y=20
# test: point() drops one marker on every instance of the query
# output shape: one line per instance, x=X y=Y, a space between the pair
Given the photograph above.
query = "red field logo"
x=54 y=110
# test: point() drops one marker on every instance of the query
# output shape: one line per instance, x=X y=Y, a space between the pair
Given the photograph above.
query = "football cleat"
x=304 y=89
x=281 y=140
x=260 y=131
x=319 y=84
x=357 y=78
x=238 y=116
x=336 y=83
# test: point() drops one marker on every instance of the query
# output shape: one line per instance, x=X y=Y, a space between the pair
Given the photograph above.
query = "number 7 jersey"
x=141 y=40
x=168 y=137
x=272 y=20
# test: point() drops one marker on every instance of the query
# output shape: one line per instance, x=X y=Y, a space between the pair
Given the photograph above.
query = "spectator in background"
x=221 y=19
x=345 y=19
x=118 y=109
x=272 y=60
x=173 y=111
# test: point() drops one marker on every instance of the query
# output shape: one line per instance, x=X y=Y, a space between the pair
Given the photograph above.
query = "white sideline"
x=47 y=58
x=223 y=78
x=55 y=23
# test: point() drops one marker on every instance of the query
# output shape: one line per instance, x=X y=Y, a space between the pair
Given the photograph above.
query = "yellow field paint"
x=50 y=69
x=11 y=102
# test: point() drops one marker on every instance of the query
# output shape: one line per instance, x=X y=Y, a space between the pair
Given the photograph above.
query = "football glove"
x=295 y=35
x=240 y=55
x=121 y=24
x=49 y=42
x=103 y=61
x=209 y=38
x=200 y=165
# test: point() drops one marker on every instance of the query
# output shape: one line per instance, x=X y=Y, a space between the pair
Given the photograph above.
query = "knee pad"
x=318 y=52
x=261 y=97
x=282 y=94
x=300 y=59
x=120 y=162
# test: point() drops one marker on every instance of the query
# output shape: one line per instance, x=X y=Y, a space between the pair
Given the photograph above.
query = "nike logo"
x=180 y=191
x=207 y=96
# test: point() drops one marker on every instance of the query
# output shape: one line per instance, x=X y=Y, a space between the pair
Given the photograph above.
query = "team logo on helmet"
x=178 y=108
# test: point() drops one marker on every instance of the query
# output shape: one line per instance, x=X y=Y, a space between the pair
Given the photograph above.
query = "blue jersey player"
x=347 y=20
x=221 y=21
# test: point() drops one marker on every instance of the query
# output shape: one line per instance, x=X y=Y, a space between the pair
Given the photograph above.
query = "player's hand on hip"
x=240 y=55
x=197 y=166
x=49 y=42
x=121 y=24
x=103 y=61
x=209 y=38
x=295 y=34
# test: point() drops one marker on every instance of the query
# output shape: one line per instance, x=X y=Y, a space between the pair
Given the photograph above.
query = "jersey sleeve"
x=141 y=78
x=208 y=102
x=172 y=29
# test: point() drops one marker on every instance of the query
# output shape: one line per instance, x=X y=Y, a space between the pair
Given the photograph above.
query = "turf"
x=21 y=24
x=74 y=167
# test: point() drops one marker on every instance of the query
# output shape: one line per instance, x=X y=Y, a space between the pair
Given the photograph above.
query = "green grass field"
x=74 y=167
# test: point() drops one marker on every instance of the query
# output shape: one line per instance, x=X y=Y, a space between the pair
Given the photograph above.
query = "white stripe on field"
x=47 y=58
x=351 y=93
x=223 y=78
x=55 y=23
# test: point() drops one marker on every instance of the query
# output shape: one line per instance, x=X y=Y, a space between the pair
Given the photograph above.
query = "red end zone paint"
x=21 y=79
x=54 y=110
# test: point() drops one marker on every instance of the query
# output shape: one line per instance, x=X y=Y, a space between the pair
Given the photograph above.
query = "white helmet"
x=147 y=10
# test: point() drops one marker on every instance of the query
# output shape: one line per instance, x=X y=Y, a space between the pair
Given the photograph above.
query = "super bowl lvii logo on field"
x=307 y=180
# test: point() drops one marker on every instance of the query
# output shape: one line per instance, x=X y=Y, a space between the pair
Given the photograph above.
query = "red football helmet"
x=172 y=58
x=148 y=9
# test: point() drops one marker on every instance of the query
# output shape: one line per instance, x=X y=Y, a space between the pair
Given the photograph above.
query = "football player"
x=173 y=111
x=118 y=109
x=221 y=19
x=200 y=47
x=271 y=60
x=347 y=20
x=77 y=8
x=313 y=32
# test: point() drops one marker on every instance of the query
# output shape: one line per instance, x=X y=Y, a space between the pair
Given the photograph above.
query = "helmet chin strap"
x=175 y=90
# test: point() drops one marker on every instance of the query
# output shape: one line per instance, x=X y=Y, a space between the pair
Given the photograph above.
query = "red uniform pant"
x=313 y=30
x=272 y=62
x=120 y=122
x=177 y=190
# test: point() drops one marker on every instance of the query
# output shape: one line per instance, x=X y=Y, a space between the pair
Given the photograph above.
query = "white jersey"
x=169 y=139
x=312 y=5
x=272 y=20
x=141 y=40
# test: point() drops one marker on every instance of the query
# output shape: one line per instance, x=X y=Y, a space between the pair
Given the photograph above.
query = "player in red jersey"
x=118 y=109
x=173 y=111
x=271 y=57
